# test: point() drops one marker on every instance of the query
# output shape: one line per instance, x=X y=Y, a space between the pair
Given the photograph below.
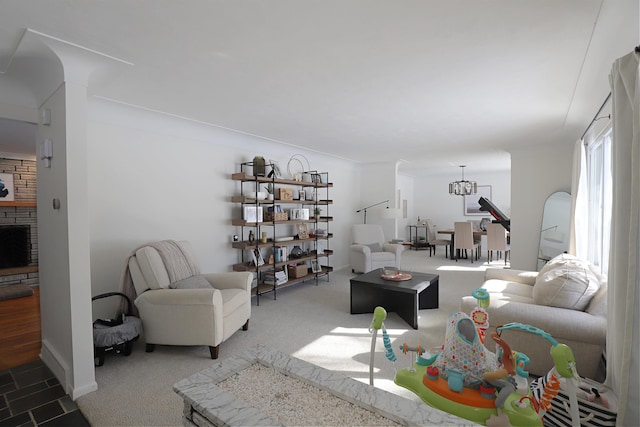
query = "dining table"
x=452 y=233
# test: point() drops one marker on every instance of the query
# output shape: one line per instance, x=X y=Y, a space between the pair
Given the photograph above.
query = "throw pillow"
x=193 y=282
x=375 y=247
x=566 y=281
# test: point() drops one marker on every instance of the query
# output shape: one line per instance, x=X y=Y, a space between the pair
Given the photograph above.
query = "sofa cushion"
x=193 y=282
x=566 y=281
x=383 y=257
x=503 y=290
x=598 y=304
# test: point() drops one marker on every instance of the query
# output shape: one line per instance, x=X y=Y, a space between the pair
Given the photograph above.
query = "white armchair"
x=201 y=309
x=370 y=251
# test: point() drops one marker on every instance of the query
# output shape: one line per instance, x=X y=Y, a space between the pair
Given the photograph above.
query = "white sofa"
x=515 y=298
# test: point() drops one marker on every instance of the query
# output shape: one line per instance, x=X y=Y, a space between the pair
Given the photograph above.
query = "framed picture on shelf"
x=256 y=256
x=471 y=205
x=315 y=266
x=6 y=187
x=303 y=233
x=253 y=214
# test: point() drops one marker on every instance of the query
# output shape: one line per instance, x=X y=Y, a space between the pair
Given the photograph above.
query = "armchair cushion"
x=194 y=282
x=152 y=268
x=375 y=247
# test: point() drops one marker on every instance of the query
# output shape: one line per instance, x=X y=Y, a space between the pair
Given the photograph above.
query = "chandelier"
x=463 y=187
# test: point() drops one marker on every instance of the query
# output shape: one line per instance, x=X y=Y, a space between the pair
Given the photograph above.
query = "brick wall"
x=24 y=181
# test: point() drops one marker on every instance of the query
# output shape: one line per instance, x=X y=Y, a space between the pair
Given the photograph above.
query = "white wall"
x=55 y=294
x=536 y=174
x=379 y=183
x=155 y=177
x=65 y=287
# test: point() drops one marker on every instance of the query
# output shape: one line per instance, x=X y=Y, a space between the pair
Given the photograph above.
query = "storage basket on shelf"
x=297 y=271
x=285 y=194
x=276 y=216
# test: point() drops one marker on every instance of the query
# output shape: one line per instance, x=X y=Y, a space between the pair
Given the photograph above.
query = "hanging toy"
x=391 y=356
x=479 y=315
x=379 y=314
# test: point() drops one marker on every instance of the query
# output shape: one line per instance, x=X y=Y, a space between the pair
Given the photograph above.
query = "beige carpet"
x=307 y=321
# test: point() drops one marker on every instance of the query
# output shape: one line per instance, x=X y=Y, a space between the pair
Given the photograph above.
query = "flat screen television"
x=488 y=206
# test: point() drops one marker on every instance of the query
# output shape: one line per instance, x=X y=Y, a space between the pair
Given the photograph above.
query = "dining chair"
x=497 y=241
x=463 y=240
x=434 y=242
x=475 y=226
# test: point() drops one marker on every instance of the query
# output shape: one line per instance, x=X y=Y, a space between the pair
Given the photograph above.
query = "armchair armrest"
x=519 y=276
x=230 y=280
x=361 y=249
x=393 y=248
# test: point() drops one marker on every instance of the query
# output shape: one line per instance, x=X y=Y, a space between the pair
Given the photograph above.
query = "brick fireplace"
x=21 y=212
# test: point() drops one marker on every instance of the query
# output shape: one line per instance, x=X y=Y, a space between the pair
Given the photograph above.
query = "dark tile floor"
x=30 y=395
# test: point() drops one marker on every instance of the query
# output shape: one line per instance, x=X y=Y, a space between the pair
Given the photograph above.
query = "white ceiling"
x=432 y=83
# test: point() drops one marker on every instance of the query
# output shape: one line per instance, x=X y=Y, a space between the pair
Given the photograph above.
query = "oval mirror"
x=554 y=233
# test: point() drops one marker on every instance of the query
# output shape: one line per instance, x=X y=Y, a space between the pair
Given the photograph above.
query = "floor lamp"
x=365 y=209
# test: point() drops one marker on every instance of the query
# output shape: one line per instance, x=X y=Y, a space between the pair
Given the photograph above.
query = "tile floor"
x=30 y=395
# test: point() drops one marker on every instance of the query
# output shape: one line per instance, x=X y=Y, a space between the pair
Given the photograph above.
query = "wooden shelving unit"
x=276 y=228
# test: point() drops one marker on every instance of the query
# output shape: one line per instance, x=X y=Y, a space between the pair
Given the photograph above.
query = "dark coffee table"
x=406 y=297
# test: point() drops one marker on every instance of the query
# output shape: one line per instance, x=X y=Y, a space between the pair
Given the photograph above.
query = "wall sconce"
x=45 y=116
x=46 y=152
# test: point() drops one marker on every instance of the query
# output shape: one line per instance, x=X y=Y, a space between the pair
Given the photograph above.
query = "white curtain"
x=578 y=236
x=623 y=292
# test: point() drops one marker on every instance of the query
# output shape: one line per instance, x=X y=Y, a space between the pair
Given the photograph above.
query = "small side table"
x=405 y=297
x=416 y=243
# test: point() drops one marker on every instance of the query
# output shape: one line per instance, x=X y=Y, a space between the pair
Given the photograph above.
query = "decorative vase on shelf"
x=296 y=252
x=258 y=166
x=251 y=238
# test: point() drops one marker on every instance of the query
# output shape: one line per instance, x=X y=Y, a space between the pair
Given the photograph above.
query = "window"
x=599 y=198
